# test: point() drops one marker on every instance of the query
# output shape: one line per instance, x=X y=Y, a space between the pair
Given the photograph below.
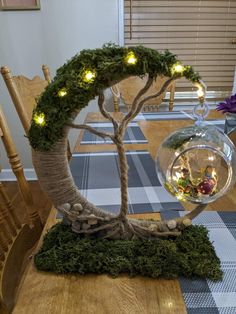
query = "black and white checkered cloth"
x=133 y=135
x=203 y=296
x=99 y=181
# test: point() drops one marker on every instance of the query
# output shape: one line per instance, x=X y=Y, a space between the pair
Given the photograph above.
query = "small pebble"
x=171 y=224
x=92 y=216
x=152 y=227
x=77 y=207
x=187 y=222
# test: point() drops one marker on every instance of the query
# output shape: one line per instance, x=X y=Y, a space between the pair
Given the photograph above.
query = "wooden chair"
x=24 y=92
x=128 y=89
x=16 y=239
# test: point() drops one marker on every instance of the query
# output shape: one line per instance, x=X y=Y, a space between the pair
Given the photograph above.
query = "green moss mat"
x=189 y=255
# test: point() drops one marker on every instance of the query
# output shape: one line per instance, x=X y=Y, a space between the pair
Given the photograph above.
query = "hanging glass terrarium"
x=197 y=163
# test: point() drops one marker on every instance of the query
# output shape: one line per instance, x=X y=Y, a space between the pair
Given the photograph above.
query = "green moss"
x=191 y=255
x=110 y=67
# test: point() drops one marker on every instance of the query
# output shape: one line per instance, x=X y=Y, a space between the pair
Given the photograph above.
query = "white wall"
x=50 y=36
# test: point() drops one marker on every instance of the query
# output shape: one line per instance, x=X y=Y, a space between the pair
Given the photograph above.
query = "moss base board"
x=191 y=255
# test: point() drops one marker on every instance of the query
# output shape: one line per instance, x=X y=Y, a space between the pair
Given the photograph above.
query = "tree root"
x=115 y=227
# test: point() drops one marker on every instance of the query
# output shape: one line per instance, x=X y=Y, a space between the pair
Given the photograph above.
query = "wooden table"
x=68 y=294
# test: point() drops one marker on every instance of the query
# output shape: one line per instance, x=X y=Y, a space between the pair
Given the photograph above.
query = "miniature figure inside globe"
x=197 y=163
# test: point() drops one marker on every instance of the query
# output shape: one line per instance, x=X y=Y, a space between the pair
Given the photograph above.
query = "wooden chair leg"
x=46 y=73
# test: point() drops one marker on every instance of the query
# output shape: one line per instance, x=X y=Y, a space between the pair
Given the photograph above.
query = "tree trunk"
x=123 y=176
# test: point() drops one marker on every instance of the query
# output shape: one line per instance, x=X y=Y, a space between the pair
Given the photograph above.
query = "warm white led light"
x=131 y=58
x=62 y=92
x=178 y=68
x=89 y=76
x=200 y=93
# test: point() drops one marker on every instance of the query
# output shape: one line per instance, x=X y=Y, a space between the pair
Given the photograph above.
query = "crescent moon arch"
x=81 y=79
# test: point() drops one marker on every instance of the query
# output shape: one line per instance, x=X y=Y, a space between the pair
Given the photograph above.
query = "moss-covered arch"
x=70 y=91
x=109 y=64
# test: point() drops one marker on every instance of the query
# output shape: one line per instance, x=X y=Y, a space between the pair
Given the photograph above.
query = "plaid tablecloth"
x=174 y=115
x=156 y=116
x=133 y=134
x=203 y=296
x=99 y=182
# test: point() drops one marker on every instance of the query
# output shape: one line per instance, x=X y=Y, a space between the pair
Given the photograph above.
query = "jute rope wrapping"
x=55 y=177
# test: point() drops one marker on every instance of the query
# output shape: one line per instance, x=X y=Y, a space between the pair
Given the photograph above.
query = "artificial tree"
x=77 y=82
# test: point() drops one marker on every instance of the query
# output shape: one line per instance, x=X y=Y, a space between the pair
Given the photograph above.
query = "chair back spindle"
x=128 y=88
x=18 y=171
x=16 y=239
x=46 y=73
x=24 y=93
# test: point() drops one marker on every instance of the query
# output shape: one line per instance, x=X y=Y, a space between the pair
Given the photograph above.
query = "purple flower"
x=229 y=105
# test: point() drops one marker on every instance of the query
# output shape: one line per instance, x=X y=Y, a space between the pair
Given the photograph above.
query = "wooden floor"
x=49 y=293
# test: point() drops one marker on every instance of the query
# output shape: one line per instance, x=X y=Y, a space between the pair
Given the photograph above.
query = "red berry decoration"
x=206 y=187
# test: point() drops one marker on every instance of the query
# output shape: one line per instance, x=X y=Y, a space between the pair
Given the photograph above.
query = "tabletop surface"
x=42 y=292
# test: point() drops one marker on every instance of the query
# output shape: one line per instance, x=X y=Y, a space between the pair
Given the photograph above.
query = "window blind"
x=201 y=33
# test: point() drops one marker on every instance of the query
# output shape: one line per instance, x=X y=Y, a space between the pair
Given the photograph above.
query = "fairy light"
x=177 y=176
x=180 y=196
x=62 y=92
x=39 y=118
x=131 y=58
x=178 y=68
x=89 y=76
x=200 y=93
x=211 y=158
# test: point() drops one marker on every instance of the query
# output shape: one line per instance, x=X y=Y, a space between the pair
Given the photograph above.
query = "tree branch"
x=134 y=105
x=134 y=111
x=104 y=112
x=91 y=129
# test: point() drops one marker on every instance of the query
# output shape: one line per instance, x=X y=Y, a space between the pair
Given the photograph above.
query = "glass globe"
x=197 y=163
